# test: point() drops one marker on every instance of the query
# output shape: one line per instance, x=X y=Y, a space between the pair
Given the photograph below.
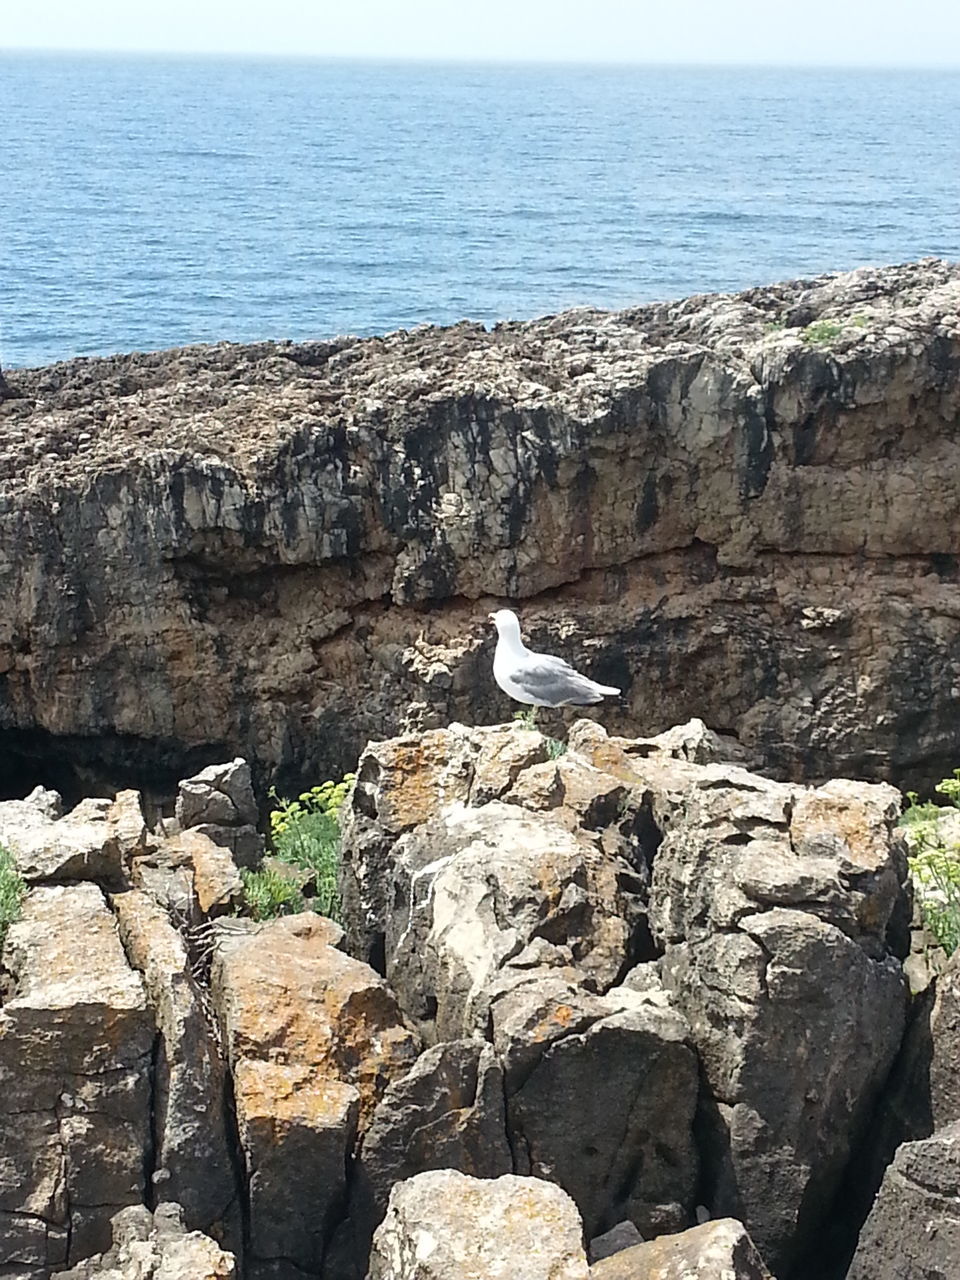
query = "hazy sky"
x=831 y=32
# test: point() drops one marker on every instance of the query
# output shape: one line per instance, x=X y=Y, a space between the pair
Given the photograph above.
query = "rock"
x=473 y=888
x=447 y=1112
x=76 y=1040
x=245 y=843
x=313 y=1039
x=716 y=1249
x=93 y=842
x=217 y=885
x=589 y=1081
x=913 y=1231
x=623 y=1236
x=193 y=1156
x=156 y=1247
x=768 y=899
x=189 y=875
x=445 y=1225
x=726 y=520
x=221 y=794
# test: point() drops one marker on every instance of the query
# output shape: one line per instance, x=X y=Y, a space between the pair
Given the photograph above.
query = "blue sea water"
x=148 y=202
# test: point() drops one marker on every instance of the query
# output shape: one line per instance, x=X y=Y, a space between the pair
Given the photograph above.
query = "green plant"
x=860 y=321
x=934 y=861
x=12 y=889
x=774 y=326
x=555 y=748
x=269 y=894
x=820 y=332
x=306 y=833
x=527 y=717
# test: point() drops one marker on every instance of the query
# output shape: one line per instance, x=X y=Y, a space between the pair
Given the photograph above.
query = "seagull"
x=538 y=679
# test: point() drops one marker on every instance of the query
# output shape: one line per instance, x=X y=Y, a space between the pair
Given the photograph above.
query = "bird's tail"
x=607 y=689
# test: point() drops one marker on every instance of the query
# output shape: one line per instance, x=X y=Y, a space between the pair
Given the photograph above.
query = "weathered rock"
x=189 y=875
x=708 y=1252
x=192 y=1152
x=93 y=842
x=717 y=508
x=447 y=1112
x=76 y=1039
x=774 y=906
x=221 y=795
x=446 y=1226
x=623 y=1236
x=474 y=889
x=913 y=1231
x=313 y=1039
x=601 y=1093
x=156 y=1247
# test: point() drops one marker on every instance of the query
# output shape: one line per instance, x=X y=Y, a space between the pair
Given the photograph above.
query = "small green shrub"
x=12 y=890
x=820 y=332
x=555 y=748
x=527 y=717
x=269 y=894
x=774 y=326
x=935 y=863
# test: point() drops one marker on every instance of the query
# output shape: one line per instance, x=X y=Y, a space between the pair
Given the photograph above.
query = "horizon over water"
x=154 y=200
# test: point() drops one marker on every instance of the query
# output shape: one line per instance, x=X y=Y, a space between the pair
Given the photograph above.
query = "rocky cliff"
x=741 y=507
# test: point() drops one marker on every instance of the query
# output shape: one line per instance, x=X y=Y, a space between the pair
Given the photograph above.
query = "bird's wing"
x=547 y=678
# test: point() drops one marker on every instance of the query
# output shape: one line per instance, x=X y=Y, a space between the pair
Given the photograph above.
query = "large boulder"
x=913 y=1231
x=313 y=1038
x=445 y=1225
x=776 y=908
x=76 y=1046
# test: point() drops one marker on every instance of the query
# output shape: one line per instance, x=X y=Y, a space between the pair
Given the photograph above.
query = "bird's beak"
x=492 y=617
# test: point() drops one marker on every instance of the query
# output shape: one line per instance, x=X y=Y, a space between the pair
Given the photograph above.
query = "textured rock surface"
x=76 y=1038
x=722 y=510
x=775 y=907
x=715 y=1250
x=91 y=842
x=192 y=1153
x=913 y=1231
x=313 y=1039
x=447 y=1226
x=511 y=895
x=156 y=1247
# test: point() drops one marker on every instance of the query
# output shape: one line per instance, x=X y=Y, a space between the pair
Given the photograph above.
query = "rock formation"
x=744 y=508
x=628 y=985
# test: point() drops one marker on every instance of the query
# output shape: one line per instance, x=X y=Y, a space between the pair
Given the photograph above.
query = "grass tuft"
x=12 y=890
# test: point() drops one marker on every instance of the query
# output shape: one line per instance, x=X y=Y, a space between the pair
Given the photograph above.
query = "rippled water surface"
x=151 y=202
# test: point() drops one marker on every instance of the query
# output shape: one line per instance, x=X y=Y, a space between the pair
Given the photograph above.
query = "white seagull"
x=538 y=679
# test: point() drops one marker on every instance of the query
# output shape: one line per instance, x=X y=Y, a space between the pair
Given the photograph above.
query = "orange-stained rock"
x=313 y=1038
x=216 y=878
x=708 y=1252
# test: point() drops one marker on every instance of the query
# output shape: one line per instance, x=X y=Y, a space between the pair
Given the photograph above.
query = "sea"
x=148 y=202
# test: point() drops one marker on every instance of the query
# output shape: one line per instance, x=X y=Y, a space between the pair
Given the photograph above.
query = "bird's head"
x=506 y=622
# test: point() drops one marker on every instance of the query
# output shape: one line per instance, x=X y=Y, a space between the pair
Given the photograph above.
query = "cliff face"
x=741 y=507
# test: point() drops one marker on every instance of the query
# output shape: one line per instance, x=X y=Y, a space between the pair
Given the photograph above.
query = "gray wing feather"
x=554 y=681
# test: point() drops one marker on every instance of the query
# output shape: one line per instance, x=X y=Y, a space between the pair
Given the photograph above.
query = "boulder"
x=221 y=795
x=76 y=1043
x=94 y=841
x=601 y=1094
x=718 y=1250
x=313 y=1039
x=444 y=1225
x=776 y=908
x=447 y=1112
x=192 y=1156
x=913 y=1230
x=473 y=889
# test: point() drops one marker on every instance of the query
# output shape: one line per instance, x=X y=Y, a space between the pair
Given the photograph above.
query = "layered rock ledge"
x=741 y=507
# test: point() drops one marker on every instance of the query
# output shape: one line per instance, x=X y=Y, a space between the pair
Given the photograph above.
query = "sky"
x=787 y=32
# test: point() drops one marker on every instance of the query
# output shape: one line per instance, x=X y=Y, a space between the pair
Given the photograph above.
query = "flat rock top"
x=242 y=403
